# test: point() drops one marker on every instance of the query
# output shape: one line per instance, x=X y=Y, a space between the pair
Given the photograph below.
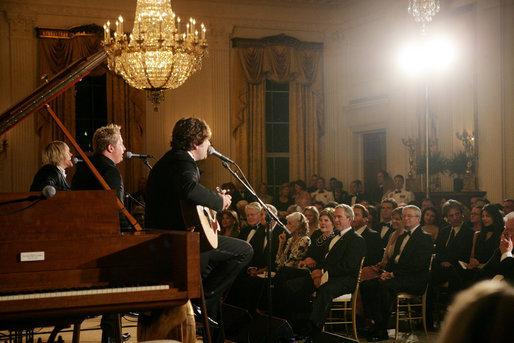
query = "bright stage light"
x=428 y=55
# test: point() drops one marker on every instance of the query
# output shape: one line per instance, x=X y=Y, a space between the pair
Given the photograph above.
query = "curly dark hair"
x=188 y=132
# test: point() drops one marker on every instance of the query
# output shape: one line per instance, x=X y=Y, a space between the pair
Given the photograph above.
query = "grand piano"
x=64 y=258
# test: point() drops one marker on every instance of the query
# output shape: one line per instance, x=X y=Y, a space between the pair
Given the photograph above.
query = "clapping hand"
x=506 y=244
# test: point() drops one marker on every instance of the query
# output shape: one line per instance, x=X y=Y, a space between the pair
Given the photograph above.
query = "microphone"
x=77 y=160
x=130 y=155
x=213 y=151
x=48 y=192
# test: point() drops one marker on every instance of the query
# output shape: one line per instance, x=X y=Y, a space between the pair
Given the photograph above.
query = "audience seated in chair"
x=407 y=271
x=374 y=247
x=384 y=227
x=337 y=274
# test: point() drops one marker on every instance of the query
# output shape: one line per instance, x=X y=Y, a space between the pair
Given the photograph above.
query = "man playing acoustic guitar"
x=175 y=178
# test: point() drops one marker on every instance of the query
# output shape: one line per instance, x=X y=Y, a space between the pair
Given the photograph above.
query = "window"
x=277 y=135
x=90 y=109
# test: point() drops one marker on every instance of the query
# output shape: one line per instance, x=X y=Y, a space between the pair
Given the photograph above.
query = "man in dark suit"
x=175 y=177
x=374 y=246
x=253 y=221
x=406 y=271
x=384 y=228
x=453 y=244
x=337 y=274
x=355 y=196
x=248 y=288
x=108 y=152
x=56 y=157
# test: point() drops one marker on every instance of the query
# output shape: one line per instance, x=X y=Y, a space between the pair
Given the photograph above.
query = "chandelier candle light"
x=159 y=54
x=423 y=11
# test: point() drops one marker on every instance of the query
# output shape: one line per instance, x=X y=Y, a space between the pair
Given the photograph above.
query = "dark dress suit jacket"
x=507 y=269
x=458 y=249
x=84 y=179
x=342 y=264
x=492 y=267
x=49 y=175
x=374 y=247
x=260 y=252
x=360 y=197
x=245 y=231
x=388 y=233
x=343 y=260
x=173 y=178
x=412 y=267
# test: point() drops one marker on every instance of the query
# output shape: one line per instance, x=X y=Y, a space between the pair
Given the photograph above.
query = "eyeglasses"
x=410 y=216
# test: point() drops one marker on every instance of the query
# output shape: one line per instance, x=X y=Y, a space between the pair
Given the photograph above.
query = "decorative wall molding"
x=21 y=24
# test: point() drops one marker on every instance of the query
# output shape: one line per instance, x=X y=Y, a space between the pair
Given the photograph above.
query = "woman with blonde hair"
x=56 y=157
x=293 y=250
x=312 y=215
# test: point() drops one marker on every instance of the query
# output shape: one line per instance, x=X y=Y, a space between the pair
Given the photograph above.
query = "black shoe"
x=378 y=335
x=197 y=311
x=125 y=337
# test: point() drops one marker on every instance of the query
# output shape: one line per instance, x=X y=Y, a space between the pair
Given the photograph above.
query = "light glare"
x=435 y=54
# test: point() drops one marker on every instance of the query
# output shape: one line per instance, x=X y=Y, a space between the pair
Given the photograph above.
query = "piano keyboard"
x=83 y=292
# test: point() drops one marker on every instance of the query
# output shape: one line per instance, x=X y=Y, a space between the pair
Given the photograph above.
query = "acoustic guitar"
x=201 y=219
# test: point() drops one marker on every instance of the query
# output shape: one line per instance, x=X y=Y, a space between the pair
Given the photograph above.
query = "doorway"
x=374 y=157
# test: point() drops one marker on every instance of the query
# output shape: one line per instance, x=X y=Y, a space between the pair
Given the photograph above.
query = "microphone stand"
x=269 y=217
x=145 y=161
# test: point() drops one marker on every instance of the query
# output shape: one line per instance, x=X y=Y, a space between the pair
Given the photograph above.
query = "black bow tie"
x=407 y=233
x=396 y=192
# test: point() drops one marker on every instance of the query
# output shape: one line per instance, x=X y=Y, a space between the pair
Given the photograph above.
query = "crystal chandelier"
x=423 y=11
x=160 y=53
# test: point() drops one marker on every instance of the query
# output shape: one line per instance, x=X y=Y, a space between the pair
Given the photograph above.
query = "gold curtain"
x=280 y=59
x=125 y=105
x=55 y=54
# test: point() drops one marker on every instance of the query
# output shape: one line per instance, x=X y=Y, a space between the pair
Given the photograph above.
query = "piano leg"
x=117 y=329
x=55 y=331
x=76 y=331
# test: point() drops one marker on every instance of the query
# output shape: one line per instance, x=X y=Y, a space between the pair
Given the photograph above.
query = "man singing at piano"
x=108 y=151
x=176 y=177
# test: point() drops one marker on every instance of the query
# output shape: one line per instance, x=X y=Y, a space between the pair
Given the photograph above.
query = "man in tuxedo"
x=321 y=193
x=337 y=274
x=406 y=271
x=374 y=246
x=400 y=194
x=253 y=221
x=384 y=227
x=356 y=196
x=175 y=178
